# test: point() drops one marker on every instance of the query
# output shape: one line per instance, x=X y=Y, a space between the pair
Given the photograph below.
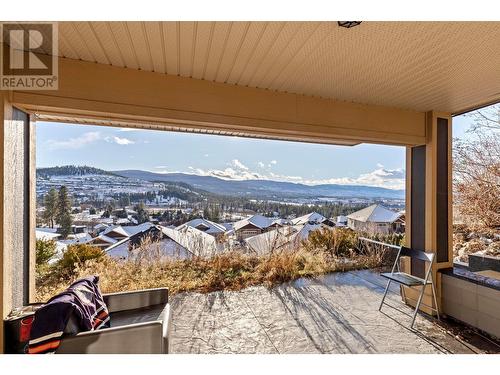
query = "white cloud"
x=238 y=165
x=274 y=162
x=119 y=141
x=206 y=155
x=75 y=143
x=380 y=177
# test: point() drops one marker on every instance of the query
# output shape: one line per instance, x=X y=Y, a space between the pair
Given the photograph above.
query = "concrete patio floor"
x=335 y=313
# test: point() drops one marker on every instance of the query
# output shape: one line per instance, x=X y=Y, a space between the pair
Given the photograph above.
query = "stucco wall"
x=16 y=251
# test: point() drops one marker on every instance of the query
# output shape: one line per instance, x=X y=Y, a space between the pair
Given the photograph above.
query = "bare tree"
x=476 y=166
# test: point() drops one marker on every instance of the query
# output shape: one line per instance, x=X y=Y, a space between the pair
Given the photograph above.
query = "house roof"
x=212 y=228
x=104 y=238
x=375 y=213
x=312 y=217
x=134 y=229
x=81 y=237
x=101 y=225
x=280 y=238
x=259 y=221
x=303 y=231
x=116 y=229
x=271 y=240
x=45 y=235
x=193 y=240
x=280 y=221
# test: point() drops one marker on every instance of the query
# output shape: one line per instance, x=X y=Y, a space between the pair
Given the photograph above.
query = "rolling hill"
x=265 y=188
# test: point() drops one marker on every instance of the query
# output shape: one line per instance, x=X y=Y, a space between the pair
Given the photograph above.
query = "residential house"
x=251 y=226
x=312 y=218
x=207 y=226
x=194 y=241
x=151 y=243
x=376 y=219
x=340 y=221
x=113 y=235
x=280 y=238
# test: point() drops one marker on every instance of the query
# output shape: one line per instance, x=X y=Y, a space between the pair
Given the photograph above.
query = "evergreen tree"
x=50 y=202
x=142 y=215
x=122 y=214
x=64 y=212
x=65 y=222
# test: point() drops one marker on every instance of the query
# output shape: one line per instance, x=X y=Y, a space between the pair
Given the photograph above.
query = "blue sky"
x=226 y=157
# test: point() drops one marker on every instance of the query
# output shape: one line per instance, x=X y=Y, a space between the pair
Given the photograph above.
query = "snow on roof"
x=259 y=221
x=47 y=230
x=280 y=221
x=212 y=228
x=280 y=238
x=44 y=235
x=164 y=248
x=227 y=226
x=119 y=250
x=104 y=238
x=313 y=217
x=134 y=229
x=118 y=230
x=304 y=231
x=122 y=221
x=269 y=241
x=193 y=240
x=81 y=237
x=101 y=225
x=341 y=219
x=375 y=213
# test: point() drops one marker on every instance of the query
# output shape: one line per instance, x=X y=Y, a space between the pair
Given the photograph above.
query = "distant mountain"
x=265 y=188
x=72 y=170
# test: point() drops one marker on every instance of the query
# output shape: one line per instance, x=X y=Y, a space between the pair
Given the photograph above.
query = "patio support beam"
x=102 y=92
x=429 y=198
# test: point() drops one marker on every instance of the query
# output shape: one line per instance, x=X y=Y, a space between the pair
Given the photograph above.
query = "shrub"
x=397 y=239
x=45 y=250
x=337 y=242
x=226 y=271
x=77 y=255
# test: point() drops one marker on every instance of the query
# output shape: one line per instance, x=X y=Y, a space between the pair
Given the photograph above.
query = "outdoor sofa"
x=140 y=324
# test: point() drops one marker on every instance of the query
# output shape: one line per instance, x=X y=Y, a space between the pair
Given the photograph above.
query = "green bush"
x=45 y=250
x=77 y=255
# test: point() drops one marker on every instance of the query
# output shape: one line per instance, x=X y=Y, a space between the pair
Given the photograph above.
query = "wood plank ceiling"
x=445 y=66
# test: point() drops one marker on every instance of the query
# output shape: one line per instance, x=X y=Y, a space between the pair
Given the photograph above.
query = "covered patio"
x=395 y=83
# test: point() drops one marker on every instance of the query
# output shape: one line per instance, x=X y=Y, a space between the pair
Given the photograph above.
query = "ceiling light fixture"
x=348 y=24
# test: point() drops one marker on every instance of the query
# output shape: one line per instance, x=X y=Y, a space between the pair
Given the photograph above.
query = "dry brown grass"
x=232 y=270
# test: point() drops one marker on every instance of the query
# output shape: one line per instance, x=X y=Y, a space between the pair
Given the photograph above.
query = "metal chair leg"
x=417 y=306
x=385 y=293
x=435 y=299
